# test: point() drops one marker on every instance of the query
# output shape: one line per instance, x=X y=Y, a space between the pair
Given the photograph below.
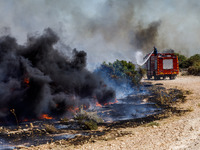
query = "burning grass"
x=90 y=124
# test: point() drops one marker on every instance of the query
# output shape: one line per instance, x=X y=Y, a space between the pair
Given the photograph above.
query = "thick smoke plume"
x=145 y=38
x=36 y=78
x=108 y=29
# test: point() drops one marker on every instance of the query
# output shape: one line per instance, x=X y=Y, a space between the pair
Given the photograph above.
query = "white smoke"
x=140 y=59
x=107 y=29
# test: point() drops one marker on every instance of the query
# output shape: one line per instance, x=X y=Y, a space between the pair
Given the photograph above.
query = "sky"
x=107 y=29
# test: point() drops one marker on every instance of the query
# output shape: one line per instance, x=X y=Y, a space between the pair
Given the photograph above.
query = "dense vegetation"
x=192 y=64
x=121 y=71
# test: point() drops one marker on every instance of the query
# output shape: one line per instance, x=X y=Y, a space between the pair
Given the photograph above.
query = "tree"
x=121 y=71
x=182 y=60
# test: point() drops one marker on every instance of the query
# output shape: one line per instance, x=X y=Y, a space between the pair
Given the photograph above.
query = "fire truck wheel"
x=172 y=77
x=156 y=77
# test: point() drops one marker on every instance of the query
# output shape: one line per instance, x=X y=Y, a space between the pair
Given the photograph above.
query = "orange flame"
x=26 y=80
x=25 y=120
x=98 y=105
x=109 y=103
x=45 y=116
x=72 y=109
x=85 y=106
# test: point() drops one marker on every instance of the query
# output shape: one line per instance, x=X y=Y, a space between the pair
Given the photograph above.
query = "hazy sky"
x=107 y=29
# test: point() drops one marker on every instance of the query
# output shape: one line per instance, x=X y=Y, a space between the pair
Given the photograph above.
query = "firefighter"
x=155 y=51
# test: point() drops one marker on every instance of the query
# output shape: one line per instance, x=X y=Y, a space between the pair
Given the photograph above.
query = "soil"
x=176 y=132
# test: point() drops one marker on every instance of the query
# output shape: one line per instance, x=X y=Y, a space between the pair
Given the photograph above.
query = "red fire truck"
x=162 y=65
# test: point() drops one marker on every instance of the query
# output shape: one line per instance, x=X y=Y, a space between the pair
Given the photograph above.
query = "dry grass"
x=164 y=96
x=64 y=120
x=50 y=128
x=151 y=124
x=188 y=92
x=82 y=116
x=89 y=120
x=190 y=109
x=3 y=130
x=90 y=125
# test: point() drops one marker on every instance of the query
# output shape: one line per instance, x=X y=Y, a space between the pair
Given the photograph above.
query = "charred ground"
x=74 y=132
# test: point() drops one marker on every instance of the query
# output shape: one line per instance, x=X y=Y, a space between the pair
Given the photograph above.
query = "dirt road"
x=177 y=132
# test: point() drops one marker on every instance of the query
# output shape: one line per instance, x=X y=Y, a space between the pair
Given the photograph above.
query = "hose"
x=141 y=64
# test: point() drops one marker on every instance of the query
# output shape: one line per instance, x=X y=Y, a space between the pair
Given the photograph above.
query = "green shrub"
x=90 y=125
x=121 y=71
x=194 y=70
x=182 y=60
x=194 y=59
x=83 y=116
x=192 y=63
x=185 y=62
x=88 y=120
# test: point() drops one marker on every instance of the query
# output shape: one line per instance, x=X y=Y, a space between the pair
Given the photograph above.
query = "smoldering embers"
x=36 y=78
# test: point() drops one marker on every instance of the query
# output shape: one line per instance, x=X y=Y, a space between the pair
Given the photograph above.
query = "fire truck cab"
x=162 y=65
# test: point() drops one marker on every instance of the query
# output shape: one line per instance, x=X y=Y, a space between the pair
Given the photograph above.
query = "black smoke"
x=145 y=38
x=35 y=78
